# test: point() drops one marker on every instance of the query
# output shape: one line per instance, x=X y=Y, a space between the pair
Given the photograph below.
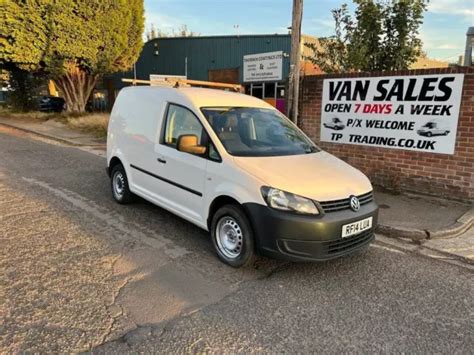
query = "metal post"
x=469 y=45
x=186 y=67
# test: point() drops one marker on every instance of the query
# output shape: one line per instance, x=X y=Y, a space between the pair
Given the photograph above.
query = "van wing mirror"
x=188 y=143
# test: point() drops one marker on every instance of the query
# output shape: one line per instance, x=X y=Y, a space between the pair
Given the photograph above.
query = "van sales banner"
x=408 y=112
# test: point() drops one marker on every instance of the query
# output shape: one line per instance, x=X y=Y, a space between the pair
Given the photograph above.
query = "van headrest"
x=231 y=122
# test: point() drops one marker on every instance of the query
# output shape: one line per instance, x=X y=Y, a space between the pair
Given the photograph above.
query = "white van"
x=335 y=124
x=433 y=128
x=235 y=166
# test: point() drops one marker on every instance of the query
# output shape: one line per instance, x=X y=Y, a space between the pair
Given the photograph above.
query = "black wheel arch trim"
x=113 y=161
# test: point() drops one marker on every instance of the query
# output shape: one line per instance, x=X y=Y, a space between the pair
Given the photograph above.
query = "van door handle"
x=162 y=161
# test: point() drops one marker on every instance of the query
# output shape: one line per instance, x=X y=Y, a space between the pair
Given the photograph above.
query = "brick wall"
x=449 y=176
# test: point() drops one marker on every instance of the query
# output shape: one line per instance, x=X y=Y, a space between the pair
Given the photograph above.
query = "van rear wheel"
x=232 y=236
x=119 y=185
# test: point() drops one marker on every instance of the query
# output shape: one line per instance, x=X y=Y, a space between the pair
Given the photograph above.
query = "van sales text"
x=381 y=124
x=427 y=110
x=386 y=141
x=429 y=89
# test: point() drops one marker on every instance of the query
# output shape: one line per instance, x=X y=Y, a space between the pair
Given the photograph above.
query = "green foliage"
x=403 y=20
x=381 y=35
x=4 y=79
x=98 y=36
x=73 y=41
x=24 y=86
x=23 y=34
x=331 y=53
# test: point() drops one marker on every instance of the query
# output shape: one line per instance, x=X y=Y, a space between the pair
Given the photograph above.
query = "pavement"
x=446 y=226
x=82 y=273
x=56 y=131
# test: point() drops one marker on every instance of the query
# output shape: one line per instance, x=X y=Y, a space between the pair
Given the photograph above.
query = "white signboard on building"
x=407 y=112
x=263 y=66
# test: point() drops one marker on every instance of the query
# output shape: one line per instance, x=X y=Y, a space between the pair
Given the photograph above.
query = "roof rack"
x=178 y=82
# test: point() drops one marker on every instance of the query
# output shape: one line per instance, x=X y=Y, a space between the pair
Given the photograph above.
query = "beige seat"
x=229 y=135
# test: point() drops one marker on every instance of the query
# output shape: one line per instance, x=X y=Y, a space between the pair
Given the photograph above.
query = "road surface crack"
x=114 y=303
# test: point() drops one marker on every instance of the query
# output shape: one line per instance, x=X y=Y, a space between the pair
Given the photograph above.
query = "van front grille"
x=340 y=245
x=344 y=204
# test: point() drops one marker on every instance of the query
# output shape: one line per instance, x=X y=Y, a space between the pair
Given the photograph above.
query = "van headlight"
x=287 y=201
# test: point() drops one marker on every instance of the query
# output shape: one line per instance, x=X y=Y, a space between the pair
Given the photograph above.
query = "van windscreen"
x=252 y=132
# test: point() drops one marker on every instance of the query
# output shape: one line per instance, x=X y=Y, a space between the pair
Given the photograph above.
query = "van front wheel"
x=119 y=185
x=232 y=236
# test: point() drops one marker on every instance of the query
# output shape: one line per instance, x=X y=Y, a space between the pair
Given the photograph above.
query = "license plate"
x=356 y=227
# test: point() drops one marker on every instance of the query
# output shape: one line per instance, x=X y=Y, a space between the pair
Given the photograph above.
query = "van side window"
x=179 y=121
x=213 y=155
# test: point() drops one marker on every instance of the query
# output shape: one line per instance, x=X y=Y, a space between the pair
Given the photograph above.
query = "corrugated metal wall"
x=167 y=55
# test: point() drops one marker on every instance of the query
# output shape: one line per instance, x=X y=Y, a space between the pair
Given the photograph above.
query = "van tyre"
x=119 y=184
x=232 y=236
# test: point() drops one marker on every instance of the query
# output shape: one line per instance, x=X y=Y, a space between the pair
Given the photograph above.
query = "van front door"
x=184 y=173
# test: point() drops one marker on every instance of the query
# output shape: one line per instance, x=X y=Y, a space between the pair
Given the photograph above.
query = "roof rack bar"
x=178 y=82
x=136 y=81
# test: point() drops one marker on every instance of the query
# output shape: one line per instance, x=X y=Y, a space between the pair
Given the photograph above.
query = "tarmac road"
x=79 y=272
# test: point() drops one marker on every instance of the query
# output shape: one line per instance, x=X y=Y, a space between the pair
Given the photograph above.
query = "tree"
x=403 y=20
x=24 y=86
x=182 y=31
x=381 y=35
x=4 y=79
x=330 y=53
x=22 y=41
x=73 y=41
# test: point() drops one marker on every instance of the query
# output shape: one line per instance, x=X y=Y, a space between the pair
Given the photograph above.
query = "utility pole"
x=295 y=56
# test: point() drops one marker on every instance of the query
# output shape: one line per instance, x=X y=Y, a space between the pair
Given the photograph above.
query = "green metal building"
x=168 y=55
x=214 y=58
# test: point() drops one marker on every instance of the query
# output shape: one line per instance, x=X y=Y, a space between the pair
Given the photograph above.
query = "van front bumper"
x=289 y=236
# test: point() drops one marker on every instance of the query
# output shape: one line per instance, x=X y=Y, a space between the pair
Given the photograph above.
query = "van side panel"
x=113 y=131
x=133 y=130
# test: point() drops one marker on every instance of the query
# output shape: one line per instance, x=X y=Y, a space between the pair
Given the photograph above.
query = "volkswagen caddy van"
x=236 y=167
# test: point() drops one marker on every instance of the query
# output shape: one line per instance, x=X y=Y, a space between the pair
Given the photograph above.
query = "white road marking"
x=126 y=227
x=387 y=248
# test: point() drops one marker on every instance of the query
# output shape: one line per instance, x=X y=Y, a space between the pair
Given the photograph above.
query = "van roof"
x=201 y=97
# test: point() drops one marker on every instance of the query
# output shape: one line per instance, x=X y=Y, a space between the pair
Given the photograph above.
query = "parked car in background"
x=3 y=96
x=51 y=104
x=235 y=166
x=335 y=124
x=433 y=128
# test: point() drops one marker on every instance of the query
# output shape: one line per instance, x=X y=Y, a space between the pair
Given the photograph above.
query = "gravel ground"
x=381 y=301
x=82 y=270
x=57 y=282
x=79 y=273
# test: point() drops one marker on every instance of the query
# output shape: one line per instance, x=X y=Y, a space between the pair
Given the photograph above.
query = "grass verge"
x=92 y=123
x=32 y=115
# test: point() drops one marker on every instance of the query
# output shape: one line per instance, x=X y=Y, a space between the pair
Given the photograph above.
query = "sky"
x=443 y=31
